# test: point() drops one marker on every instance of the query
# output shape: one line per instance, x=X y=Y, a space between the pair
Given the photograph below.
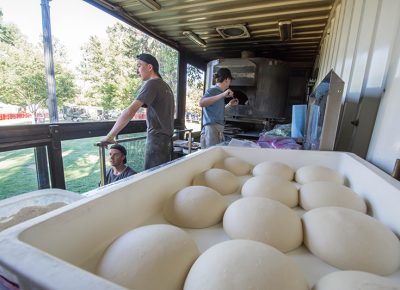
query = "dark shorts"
x=158 y=150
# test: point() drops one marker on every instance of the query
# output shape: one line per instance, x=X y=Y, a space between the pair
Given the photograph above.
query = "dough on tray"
x=150 y=257
x=221 y=180
x=272 y=187
x=195 y=207
x=326 y=193
x=244 y=264
x=264 y=220
x=312 y=173
x=274 y=168
x=350 y=240
x=351 y=280
x=235 y=165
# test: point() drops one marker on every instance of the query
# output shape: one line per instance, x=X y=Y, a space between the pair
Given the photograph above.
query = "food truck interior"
x=278 y=51
x=340 y=58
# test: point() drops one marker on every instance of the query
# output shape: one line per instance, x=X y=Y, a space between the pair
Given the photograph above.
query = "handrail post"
x=189 y=132
x=396 y=170
x=102 y=154
x=102 y=164
x=190 y=141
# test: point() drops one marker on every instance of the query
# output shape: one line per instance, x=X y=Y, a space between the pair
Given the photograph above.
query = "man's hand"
x=233 y=102
x=228 y=93
x=109 y=139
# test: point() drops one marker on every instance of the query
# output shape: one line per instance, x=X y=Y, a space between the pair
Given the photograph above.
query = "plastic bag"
x=242 y=143
x=278 y=142
x=279 y=130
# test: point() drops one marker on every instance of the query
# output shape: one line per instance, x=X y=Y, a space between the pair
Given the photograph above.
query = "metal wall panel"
x=384 y=147
x=358 y=43
x=346 y=11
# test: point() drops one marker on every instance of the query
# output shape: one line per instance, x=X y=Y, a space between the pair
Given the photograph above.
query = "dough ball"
x=350 y=240
x=195 y=207
x=235 y=165
x=244 y=264
x=221 y=180
x=150 y=257
x=352 y=280
x=312 y=173
x=326 y=193
x=264 y=220
x=274 y=168
x=272 y=187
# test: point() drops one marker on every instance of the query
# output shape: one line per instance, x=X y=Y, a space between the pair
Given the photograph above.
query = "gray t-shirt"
x=111 y=177
x=159 y=100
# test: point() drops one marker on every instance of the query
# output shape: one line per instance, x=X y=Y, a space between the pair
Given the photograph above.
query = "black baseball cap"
x=224 y=73
x=148 y=58
x=121 y=149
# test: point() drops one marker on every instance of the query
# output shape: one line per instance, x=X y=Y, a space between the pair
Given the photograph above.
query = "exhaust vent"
x=237 y=31
x=285 y=30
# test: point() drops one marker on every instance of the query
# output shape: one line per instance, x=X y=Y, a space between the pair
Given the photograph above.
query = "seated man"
x=118 y=170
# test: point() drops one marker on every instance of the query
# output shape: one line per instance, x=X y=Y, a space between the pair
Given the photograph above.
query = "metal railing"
x=102 y=155
x=396 y=170
x=187 y=133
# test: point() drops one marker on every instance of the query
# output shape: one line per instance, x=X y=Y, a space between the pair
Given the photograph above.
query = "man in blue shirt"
x=213 y=105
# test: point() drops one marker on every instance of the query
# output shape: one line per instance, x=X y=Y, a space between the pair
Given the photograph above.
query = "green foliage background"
x=106 y=77
x=22 y=77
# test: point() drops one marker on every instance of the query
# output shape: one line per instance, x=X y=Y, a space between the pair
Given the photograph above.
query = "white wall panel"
x=360 y=49
x=376 y=72
x=344 y=36
x=352 y=31
x=362 y=53
x=350 y=107
x=338 y=33
x=384 y=148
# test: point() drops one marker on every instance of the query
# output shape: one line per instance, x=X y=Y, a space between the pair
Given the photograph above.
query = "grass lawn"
x=81 y=166
x=17 y=172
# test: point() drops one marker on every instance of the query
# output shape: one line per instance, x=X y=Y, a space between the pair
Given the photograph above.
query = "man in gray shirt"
x=119 y=170
x=157 y=97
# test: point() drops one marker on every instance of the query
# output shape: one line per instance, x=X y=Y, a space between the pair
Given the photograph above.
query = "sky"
x=72 y=22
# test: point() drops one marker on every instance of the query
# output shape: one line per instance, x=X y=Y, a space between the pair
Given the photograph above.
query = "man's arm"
x=122 y=121
x=208 y=101
x=232 y=103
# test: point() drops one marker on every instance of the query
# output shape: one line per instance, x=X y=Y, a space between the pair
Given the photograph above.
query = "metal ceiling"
x=202 y=17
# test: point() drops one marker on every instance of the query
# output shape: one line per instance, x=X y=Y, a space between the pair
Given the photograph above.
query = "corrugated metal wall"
x=361 y=44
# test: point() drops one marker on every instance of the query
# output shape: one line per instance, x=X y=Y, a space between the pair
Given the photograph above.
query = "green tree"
x=7 y=32
x=23 y=79
x=109 y=66
x=195 y=81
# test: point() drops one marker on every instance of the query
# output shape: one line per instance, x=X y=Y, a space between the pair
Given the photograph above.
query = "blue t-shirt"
x=214 y=114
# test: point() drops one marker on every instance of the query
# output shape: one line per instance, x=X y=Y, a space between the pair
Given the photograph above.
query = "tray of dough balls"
x=235 y=218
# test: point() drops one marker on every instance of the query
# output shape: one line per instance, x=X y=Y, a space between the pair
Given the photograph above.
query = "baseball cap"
x=224 y=73
x=121 y=149
x=148 y=58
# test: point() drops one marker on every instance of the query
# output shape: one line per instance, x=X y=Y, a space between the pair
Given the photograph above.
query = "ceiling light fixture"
x=153 y=5
x=285 y=29
x=195 y=38
x=236 y=31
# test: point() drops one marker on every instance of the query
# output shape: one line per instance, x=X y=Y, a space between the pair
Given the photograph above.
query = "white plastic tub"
x=60 y=250
x=43 y=200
